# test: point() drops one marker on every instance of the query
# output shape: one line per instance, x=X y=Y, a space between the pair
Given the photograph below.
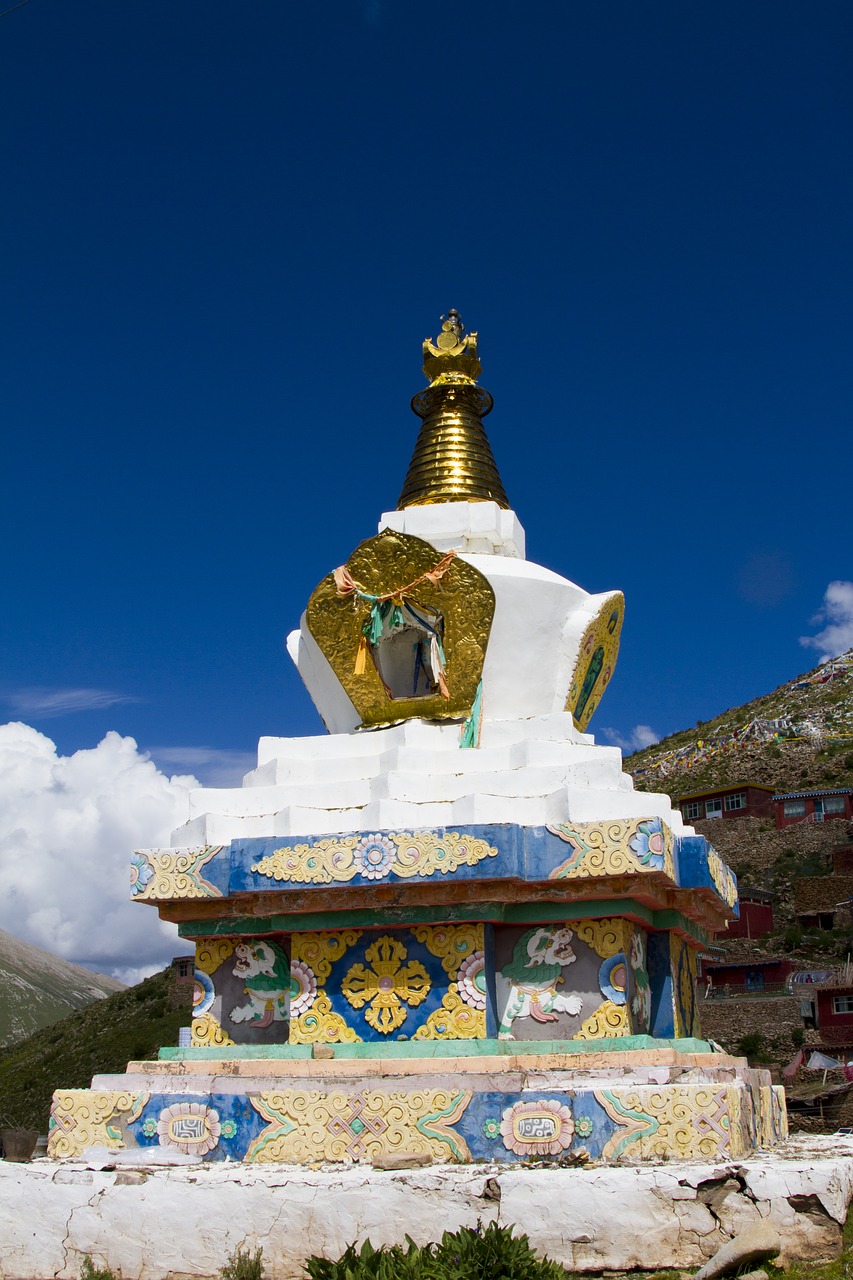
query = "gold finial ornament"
x=452 y=461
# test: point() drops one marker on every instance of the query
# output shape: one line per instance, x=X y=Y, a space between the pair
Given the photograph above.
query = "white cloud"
x=837 y=612
x=642 y=735
x=135 y=974
x=46 y=703
x=215 y=767
x=68 y=825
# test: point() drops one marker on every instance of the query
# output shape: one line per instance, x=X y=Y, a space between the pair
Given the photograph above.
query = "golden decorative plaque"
x=599 y=649
x=461 y=598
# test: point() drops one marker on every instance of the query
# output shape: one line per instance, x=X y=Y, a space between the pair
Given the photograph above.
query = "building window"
x=736 y=801
x=833 y=804
x=713 y=808
x=691 y=809
x=794 y=808
x=842 y=1004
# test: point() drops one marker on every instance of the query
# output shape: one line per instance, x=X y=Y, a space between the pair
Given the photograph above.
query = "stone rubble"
x=758 y=1243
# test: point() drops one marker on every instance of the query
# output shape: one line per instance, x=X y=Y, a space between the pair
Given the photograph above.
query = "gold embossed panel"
x=383 y=566
x=599 y=649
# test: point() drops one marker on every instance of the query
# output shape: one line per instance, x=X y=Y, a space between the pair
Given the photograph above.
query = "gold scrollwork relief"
x=158 y=874
x=307 y=1125
x=337 y=859
x=210 y=953
x=80 y=1118
x=615 y=848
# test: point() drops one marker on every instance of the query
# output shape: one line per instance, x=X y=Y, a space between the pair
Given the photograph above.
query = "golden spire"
x=452 y=461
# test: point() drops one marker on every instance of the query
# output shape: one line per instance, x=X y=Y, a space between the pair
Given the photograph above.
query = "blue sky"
x=228 y=228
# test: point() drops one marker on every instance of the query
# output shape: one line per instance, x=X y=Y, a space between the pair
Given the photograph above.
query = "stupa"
x=449 y=927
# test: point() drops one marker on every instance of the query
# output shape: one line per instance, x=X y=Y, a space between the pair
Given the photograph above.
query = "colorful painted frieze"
x=577 y=852
x=460 y=1122
x=424 y=983
x=579 y=980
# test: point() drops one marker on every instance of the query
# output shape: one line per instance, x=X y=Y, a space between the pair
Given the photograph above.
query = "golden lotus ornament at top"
x=428 y=659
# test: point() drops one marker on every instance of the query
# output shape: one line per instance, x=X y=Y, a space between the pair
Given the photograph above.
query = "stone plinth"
x=187 y=1220
x=520 y=1102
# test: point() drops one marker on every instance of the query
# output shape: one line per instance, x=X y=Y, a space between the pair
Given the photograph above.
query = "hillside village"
x=777 y=777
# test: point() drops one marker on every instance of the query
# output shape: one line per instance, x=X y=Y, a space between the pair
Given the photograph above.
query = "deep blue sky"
x=227 y=229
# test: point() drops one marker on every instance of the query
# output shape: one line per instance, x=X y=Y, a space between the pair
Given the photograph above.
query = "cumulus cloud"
x=836 y=613
x=214 y=766
x=68 y=825
x=45 y=703
x=642 y=735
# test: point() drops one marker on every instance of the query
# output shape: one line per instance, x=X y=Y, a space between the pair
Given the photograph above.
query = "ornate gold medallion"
x=422 y=655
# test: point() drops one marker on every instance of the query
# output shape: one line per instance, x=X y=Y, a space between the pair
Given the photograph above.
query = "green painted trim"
x=437 y=1049
x=668 y=920
x=490 y=912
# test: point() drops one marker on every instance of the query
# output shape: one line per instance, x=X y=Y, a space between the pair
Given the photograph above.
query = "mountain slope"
x=37 y=988
x=798 y=736
x=133 y=1024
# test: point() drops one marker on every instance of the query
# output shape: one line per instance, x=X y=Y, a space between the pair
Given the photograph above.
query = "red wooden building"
x=768 y=976
x=813 y=806
x=756 y=915
x=746 y=800
x=827 y=1004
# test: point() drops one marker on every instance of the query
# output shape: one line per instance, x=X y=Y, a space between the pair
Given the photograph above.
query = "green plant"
x=242 y=1264
x=88 y=1271
x=382 y=1264
x=792 y=937
x=490 y=1253
x=751 y=1045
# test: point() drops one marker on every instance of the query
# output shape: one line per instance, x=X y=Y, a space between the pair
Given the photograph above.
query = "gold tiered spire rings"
x=452 y=461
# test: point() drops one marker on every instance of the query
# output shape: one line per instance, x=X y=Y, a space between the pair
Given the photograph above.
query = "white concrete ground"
x=185 y=1220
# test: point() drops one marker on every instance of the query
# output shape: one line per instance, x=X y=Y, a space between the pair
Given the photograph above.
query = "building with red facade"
x=745 y=800
x=729 y=979
x=827 y=1004
x=756 y=915
x=813 y=806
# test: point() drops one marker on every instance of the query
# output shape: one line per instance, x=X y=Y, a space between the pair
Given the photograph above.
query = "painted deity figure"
x=533 y=975
x=264 y=969
x=641 y=1003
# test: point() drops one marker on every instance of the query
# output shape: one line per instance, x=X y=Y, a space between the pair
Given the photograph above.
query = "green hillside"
x=37 y=988
x=800 y=735
x=103 y=1038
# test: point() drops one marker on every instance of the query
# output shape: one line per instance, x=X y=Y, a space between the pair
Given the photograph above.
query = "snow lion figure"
x=264 y=969
x=533 y=975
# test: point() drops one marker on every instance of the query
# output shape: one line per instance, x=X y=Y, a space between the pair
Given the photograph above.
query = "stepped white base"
x=187 y=1220
x=415 y=775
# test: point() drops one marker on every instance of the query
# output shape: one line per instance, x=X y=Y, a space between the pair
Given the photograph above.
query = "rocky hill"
x=37 y=988
x=798 y=736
